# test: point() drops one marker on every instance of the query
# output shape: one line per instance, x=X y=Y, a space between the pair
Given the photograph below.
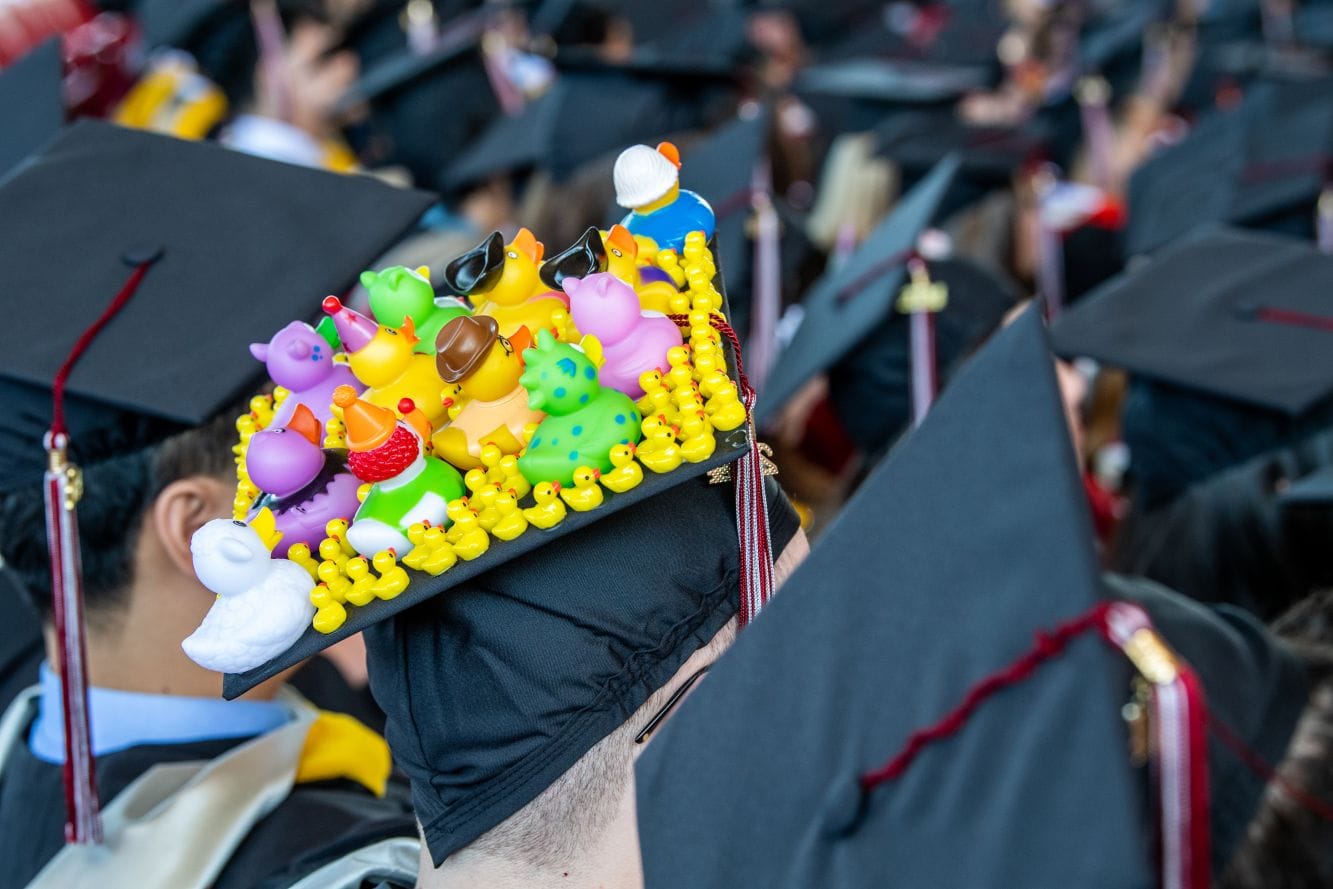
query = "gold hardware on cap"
x=1150 y=656
x=921 y=295
x=722 y=474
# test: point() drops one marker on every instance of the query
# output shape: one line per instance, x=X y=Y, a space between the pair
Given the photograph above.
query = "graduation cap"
x=591 y=111
x=1226 y=337
x=426 y=107
x=1315 y=489
x=843 y=305
x=871 y=388
x=31 y=103
x=241 y=244
x=1261 y=164
x=781 y=771
x=989 y=155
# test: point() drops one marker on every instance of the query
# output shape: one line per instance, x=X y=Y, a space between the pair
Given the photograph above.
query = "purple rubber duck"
x=304 y=485
x=634 y=340
x=301 y=361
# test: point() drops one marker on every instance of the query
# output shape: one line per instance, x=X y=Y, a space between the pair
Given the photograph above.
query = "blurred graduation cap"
x=1315 y=489
x=871 y=388
x=426 y=107
x=901 y=612
x=857 y=94
x=31 y=103
x=989 y=155
x=176 y=353
x=843 y=305
x=1226 y=336
x=592 y=111
x=1261 y=164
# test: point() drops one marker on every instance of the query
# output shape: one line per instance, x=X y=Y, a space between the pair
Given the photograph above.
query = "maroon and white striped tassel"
x=62 y=487
x=921 y=300
x=1180 y=725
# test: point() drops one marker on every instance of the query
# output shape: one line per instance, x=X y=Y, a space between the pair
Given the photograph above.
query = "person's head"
x=514 y=698
x=136 y=517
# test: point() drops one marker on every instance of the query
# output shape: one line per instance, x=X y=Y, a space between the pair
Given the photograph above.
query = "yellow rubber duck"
x=697 y=439
x=335 y=434
x=549 y=511
x=712 y=382
x=332 y=576
x=393 y=579
x=490 y=459
x=330 y=550
x=420 y=551
x=656 y=397
x=474 y=480
x=624 y=258
x=585 y=494
x=329 y=613
x=483 y=504
x=442 y=556
x=659 y=452
x=471 y=540
x=362 y=589
x=669 y=262
x=513 y=480
x=511 y=522
x=336 y=529
x=300 y=554
x=519 y=298
x=627 y=474
x=725 y=408
x=452 y=398
x=261 y=407
x=681 y=373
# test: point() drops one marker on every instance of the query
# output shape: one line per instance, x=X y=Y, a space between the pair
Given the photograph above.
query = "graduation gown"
x=316 y=823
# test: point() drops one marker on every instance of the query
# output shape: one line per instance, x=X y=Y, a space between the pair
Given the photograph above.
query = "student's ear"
x=182 y=508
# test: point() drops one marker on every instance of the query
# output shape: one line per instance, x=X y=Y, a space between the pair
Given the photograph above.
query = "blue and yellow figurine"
x=647 y=184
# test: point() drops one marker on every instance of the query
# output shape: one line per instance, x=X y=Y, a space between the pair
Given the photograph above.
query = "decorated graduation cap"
x=1266 y=162
x=1255 y=375
x=847 y=303
x=915 y=738
x=31 y=104
x=155 y=297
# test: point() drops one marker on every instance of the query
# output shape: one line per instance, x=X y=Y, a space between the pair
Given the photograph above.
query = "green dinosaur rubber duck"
x=584 y=420
x=398 y=292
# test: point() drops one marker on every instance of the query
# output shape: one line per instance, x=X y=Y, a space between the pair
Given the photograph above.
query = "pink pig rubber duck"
x=633 y=340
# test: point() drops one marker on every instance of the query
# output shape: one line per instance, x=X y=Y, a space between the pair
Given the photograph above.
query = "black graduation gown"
x=317 y=823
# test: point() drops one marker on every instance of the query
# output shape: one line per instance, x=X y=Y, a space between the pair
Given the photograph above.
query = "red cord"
x=84 y=341
x=1295 y=319
x=727 y=331
x=1046 y=647
x=1256 y=764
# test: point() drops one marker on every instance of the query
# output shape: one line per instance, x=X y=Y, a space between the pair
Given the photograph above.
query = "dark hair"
x=1286 y=845
x=1229 y=539
x=117 y=494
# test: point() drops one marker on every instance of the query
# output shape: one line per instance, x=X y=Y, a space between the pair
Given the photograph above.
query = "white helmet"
x=643 y=174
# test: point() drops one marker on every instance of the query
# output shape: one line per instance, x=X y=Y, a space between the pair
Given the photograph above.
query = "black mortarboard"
x=426 y=108
x=643 y=100
x=31 y=103
x=900 y=611
x=1315 y=489
x=1226 y=336
x=245 y=245
x=989 y=155
x=842 y=306
x=1261 y=164
x=856 y=94
x=180 y=23
x=871 y=388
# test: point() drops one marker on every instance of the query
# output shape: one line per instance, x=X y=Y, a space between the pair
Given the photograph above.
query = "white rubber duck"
x=263 y=603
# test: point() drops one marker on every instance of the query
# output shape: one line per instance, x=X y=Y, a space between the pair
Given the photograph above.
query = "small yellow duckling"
x=511 y=523
x=490 y=460
x=679 y=303
x=330 y=550
x=331 y=575
x=475 y=480
x=697 y=439
x=261 y=407
x=725 y=408
x=681 y=373
x=300 y=554
x=513 y=479
x=585 y=494
x=335 y=434
x=627 y=474
x=712 y=382
x=659 y=452
x=329 y=613
x=246 y=426
x=362 y=589
x=549 y=511
x=656 y=397
x=470 y=541
x=336 y=529
x=669 y=262
x=452 y=398
x=442 y=556
x=420 y=551
x=484 y=506
x=393 y=579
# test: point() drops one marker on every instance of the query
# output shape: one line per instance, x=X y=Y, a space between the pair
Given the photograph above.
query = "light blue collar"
x=123 y=719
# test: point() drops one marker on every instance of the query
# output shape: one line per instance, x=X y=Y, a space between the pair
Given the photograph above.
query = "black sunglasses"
x=669 y=705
